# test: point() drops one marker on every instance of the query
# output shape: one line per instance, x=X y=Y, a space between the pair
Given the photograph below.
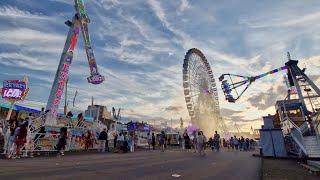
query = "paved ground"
x=284 y=169
x=138 y=165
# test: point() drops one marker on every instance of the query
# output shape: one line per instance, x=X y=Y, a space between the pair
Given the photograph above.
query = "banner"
x=14 y=89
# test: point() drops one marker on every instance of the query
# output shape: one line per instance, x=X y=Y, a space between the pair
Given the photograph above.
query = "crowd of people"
x=122 y=142
x=18 y=137
x=15 y=135
x=242 y=144
x=199 y=142
x=14 y=138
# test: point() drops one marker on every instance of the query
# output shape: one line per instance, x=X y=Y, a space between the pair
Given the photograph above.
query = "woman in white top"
x=120 y=141
x=131 y=139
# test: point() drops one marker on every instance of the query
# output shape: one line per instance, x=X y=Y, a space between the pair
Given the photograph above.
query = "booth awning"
x=19 y=108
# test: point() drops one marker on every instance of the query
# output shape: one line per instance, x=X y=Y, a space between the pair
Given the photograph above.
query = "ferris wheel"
x=201 y=93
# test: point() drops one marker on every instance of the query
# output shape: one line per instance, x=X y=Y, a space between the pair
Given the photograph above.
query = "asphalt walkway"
x=138 y=165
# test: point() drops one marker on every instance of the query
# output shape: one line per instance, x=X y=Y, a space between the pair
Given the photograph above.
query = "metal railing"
x=316 y=124
x=295 y=131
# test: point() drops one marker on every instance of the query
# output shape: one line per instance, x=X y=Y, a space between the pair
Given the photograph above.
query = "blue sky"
x=140 y=46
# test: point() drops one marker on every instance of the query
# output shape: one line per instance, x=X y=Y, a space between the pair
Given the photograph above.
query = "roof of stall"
x=19 y=108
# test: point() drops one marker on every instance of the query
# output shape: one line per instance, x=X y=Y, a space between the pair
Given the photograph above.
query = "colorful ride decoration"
x=79 y=22
x=75 y=141
x=45 y=138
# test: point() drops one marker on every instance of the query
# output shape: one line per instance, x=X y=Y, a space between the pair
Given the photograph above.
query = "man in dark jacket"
x=103 y=138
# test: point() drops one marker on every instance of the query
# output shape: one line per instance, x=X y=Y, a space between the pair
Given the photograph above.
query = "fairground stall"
x=45 y=138
x=140 y=131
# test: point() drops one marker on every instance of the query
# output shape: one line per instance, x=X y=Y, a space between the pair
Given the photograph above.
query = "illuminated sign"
x=14 y=89
x=95 y=79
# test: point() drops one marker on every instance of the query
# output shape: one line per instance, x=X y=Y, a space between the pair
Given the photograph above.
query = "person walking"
x=187 y=141
x=29 y=146
x=224 y=143
x=149 y=139
x=210 y=143
x=87 y=140
x=103 y=137
x=201 y=143
x=131 y=142
x=10 y=146
x=42 y=116
x=115 y=140
x=228 y=144
x=107 y=141
x=236 y=142
x=247 y=144
x=21 y=138
x=153 y=141
x=194 y=141
x=216 y=139
x=181 y=141
x=242 y=144
x=120 y=142
x=126 y=146
x=162 y=139
x=252 y=144
x=232 y=143
x=2 y=139
x=62 y=141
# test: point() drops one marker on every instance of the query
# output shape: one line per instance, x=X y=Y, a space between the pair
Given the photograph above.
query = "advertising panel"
x=14 y=89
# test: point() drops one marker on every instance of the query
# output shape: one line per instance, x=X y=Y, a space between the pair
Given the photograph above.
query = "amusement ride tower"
x=79 y=23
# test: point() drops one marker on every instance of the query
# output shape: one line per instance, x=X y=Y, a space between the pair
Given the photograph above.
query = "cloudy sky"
x=140 y=46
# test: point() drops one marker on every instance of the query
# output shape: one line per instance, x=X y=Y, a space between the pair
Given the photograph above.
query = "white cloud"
x=304 y=20
x=184 y=5
x=70 y=2
x=159 y=11
x=108 y=4
x=128 y=33
x=23 y=61
x=21 y=36
x=14 y=12
x=128 y=55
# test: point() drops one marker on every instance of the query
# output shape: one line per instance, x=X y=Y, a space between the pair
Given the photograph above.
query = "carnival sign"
x=14 y=89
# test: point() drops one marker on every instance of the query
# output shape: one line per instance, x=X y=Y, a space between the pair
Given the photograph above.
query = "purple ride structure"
x=201 y=94
x=79 y=23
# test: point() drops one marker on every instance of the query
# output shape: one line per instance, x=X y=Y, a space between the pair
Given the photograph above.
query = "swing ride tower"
x=78 y=24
